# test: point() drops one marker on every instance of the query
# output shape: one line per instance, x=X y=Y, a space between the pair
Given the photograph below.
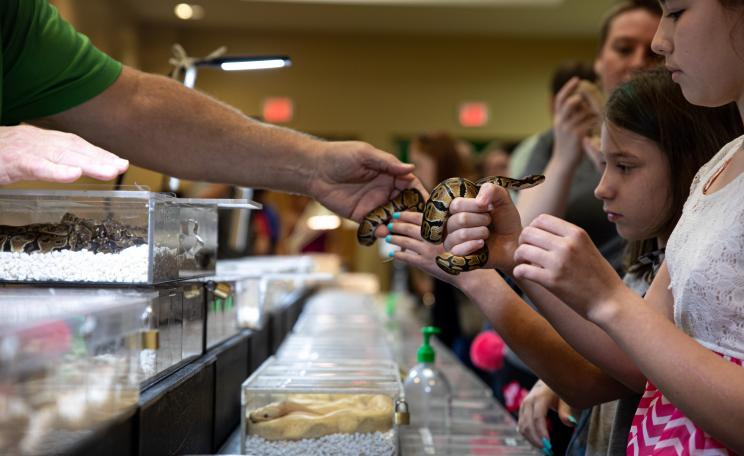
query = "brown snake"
x=71 y=233
x=436 y=211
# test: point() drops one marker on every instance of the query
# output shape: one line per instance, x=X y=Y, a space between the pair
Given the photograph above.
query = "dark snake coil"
x=436 y=211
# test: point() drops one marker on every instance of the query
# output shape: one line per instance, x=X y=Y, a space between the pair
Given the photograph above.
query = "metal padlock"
x=402 y=417
x=151 y=339
x=222 y=290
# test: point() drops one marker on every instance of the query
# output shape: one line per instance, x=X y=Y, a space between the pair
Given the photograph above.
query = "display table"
x=479 y=424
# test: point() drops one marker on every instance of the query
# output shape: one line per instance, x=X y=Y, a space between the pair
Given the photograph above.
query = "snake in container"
x=71 y=233
x=436 y=211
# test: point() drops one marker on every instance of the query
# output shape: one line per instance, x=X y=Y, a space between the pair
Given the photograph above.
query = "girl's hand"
x=533 y=413
x=406 y=234
x=490 y=217
x=562 y=258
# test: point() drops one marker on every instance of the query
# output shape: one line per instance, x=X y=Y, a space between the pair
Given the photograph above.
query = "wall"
x=377 y=87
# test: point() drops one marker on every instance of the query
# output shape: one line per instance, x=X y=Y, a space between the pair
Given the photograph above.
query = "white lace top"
x=705 y=257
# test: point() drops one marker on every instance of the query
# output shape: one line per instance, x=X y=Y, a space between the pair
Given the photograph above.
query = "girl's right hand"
x=489 y=218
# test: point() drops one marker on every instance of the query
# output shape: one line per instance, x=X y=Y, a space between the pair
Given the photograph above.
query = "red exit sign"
x=278 y=110
x=473 y=114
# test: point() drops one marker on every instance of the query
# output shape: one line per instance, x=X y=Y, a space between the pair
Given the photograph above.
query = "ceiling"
x=523 y=18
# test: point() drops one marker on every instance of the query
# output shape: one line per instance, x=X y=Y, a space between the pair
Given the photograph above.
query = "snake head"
x=267 y=413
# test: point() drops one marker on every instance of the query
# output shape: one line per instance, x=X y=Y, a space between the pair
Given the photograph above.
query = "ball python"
x=71 y=233
x=306 y=417
x=436 y=211
x=408 y=200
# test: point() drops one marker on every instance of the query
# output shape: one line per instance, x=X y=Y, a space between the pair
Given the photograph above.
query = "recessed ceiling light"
x=188 y=12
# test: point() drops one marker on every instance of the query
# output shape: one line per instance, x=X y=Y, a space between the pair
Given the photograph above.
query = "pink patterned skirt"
x=660 y=429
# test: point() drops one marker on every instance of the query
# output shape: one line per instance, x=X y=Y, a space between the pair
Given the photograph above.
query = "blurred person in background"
x=562 y=74
x=494 y=160
x=436 y=158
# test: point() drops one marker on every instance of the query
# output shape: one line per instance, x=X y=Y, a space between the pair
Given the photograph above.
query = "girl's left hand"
x=562 y=258
x=406 y=234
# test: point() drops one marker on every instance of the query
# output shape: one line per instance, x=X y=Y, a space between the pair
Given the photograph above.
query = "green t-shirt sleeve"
x=47 y=66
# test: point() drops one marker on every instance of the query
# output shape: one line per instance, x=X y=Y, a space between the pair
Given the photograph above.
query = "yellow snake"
x=436 y=211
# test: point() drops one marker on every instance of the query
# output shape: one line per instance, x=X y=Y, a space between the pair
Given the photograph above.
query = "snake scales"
x=71 y=233
x=436 y=211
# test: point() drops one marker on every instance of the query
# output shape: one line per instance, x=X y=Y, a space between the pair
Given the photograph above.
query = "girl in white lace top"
x=686 y=337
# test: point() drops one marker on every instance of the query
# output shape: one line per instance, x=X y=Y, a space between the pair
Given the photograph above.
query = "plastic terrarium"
x=422 y=442
x=175 y=328
x=267 y=264
x=95 y=236
x=357 y=324
x=68 y=364
x=322 y=408
x=341 y=302
x=280 y=276
x=233 y=302
x=334 y=347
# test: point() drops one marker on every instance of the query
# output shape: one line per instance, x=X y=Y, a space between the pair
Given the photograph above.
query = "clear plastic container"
x=69 y=362
x=334 y=348
x=280 y=276
x=322 y=408
x=267 y=264
x=233 y=302
x=422 y=441
x=350 y=324
x=95 y=236
x=341 y=302
x=175 y=324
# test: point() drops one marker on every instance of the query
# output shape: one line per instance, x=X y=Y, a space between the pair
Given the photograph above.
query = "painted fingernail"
x=390 y=227
x=391 y=254
x=396 y=215
x=572 y=419
x=547 y=445
x=547 y=452
x=388 y=238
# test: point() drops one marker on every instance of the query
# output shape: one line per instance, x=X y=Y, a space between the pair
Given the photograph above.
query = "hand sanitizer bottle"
x=427 y=390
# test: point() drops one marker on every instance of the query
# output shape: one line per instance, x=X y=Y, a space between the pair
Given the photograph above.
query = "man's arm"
x=157 y=123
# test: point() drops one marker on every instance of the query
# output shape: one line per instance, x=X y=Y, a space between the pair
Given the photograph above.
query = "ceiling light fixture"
x=188 y=12
x=253 y=63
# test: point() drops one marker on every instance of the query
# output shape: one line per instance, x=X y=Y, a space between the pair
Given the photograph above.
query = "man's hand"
x=31 y=153
x=352 y=178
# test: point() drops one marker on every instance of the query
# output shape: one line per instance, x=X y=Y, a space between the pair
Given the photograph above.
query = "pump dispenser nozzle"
x=426 y=353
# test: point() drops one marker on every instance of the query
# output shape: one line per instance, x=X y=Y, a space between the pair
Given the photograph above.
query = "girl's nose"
x=662 y=43
x=603 y=191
